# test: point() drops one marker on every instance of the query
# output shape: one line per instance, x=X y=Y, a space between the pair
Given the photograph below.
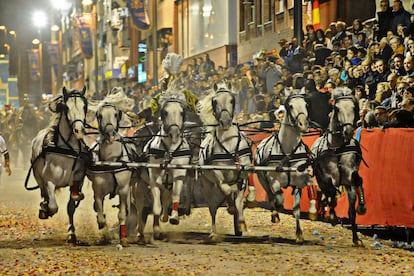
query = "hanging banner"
x=34 y=63
x=139 y=14
x=84 y=24
x=316 y=20
x=53 y=51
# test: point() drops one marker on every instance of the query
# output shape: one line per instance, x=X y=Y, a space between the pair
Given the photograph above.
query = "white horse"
x=62 y=163
x=224 y=144
x=113 y=147
x=285 y=149
x=337 y=156
x=168 y=146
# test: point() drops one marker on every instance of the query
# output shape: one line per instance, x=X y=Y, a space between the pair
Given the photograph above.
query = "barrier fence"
x=388 y=182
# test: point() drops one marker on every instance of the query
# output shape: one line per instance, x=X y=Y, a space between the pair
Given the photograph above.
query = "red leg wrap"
x=75 y=188
x=175 y=206
x=123 y=231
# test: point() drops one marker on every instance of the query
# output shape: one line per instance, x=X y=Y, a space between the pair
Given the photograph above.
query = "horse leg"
x=138 y=191
x=122 y=214
x=175 y=196
x=52 y=207
x=312 y=194
x=156 y=209
x=278 y=201
x=240 y=223
x=351 y=193
x=362 y=208
x=44 y=205
x=71 y=207
x=264 y=181
x=296 y=212
x=75 y=190
x=98 y=206
x=208 y=192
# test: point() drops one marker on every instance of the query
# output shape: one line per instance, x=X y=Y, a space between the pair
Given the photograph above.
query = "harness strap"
x=161 y=153
x=228 y=156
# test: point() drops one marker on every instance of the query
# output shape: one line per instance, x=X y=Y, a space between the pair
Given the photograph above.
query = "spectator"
x=400 y=16
x=381 y=116
x=386 y=50
x=5 y=153
x=385 y=18
x=404 y=115
x=319 y=104
x=383 y=92
x=341 y=33
x=409 y=66
x=398 y=64
x=396 y=46
x=320 y=38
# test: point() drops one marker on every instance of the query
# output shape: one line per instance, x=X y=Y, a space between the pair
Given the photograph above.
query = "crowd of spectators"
x=376 y=63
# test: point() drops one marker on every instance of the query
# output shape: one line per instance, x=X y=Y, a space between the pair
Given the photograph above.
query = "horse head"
x=345 y=115
x=297 y=112
x=223 y=104
x=108 y=117
x=75 y=106
x=172 y=118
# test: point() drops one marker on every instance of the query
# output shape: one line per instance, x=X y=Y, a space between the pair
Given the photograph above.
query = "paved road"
x=35 y=247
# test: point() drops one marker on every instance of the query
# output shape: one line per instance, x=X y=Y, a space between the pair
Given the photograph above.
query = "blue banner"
x=84 y=24
x=34 y=63
x=139 y=14
x=53 y=51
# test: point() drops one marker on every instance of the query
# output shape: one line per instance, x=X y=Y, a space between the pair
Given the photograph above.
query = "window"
x=279 y=6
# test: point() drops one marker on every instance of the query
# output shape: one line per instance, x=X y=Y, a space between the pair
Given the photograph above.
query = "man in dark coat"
x=400 y=16
x=318 y=103
x=385 y=18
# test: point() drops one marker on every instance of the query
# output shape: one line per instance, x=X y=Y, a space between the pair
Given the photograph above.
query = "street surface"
x=31 y=246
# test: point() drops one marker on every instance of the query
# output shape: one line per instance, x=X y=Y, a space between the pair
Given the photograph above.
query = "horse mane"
x=205 y=107
x=119 y=99
x=173 y=92
x=341 y=92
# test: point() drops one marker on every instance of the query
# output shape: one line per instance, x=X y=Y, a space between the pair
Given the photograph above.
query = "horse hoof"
x=77 y=197
x=72 y=239
x=313 y=216
x=174 y=220
x=160 y=237
x=362 y=209
x=231 y=210
x=187 y=211
x=358 y=243
x=275 y=218
x=141 y=240
x=124 y=242
x=251 y=204
x=43 y=214
x=299 y=240
x=164 y=218
x=242 y=227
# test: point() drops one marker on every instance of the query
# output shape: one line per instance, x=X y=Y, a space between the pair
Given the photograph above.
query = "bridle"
x=342 y=125
x=214 y=104
x=164 y=114
x=294 y=120
x=118 y=113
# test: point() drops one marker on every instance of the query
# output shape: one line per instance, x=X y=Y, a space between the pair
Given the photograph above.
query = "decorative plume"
x=172 y=63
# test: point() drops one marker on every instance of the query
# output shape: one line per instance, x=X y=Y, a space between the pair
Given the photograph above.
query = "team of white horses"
x=60 y=158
